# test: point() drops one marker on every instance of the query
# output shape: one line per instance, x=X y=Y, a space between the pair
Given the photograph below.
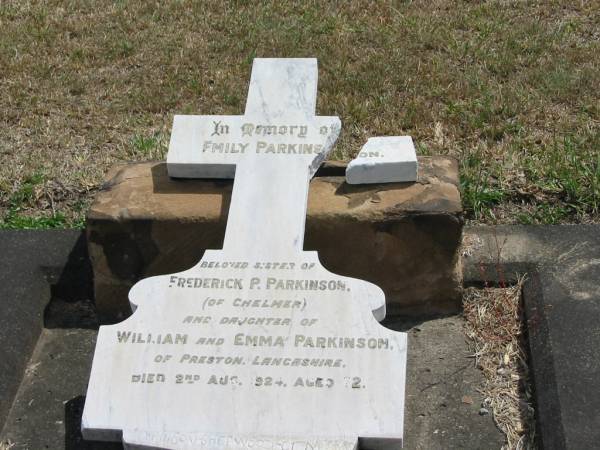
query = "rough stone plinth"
x=404 y=237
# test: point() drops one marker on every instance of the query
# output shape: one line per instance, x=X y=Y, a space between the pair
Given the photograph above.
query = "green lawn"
x=511 y=88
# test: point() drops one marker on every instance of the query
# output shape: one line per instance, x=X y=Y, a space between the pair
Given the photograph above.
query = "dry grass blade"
x=6 y=445
x=495 y=328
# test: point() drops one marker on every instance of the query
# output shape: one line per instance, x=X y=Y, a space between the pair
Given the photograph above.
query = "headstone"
x=391 y=159
x=258 y=346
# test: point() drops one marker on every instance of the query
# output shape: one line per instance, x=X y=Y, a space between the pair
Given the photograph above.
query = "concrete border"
x=561 y=298
x=34 y=268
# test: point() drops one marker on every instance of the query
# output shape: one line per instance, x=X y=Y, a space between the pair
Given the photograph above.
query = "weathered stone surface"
x=402 y=237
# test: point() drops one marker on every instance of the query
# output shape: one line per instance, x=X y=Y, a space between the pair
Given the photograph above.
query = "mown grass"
x=511 y=88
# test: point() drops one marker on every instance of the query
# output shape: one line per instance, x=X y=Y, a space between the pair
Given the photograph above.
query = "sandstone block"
x=404 y=237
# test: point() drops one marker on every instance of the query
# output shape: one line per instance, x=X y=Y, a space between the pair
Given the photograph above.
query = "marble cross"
x=258 y=346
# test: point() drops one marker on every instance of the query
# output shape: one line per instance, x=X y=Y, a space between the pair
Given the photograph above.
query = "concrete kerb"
x=35 y=267
x=561 y=297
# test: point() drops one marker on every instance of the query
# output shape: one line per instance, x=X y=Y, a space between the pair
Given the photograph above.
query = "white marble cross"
x=258 y=346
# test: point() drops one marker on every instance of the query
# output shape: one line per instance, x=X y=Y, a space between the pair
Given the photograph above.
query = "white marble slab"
x=389 y=159
x=258 y=346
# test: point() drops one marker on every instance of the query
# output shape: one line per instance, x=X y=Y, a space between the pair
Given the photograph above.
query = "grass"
x=510 y=88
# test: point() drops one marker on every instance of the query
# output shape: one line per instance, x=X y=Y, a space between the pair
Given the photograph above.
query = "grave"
x=561 y=302
x=257 y=345
x=51 y=272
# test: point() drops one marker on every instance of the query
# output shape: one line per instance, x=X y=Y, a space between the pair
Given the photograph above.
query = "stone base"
x=404 y=237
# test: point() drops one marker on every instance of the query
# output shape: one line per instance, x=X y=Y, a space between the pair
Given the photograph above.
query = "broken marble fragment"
x=391 y=159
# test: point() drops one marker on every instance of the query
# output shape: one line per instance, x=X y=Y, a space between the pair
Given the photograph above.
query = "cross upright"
x=273 y=150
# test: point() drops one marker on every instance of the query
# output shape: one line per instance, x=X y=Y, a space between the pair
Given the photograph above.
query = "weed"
x=14 y=220
x=232 y=100
x=122 y=49
x=148 y=147
x=144 y=144
x=25 y=194
x=545 y=213
x=480 y=189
